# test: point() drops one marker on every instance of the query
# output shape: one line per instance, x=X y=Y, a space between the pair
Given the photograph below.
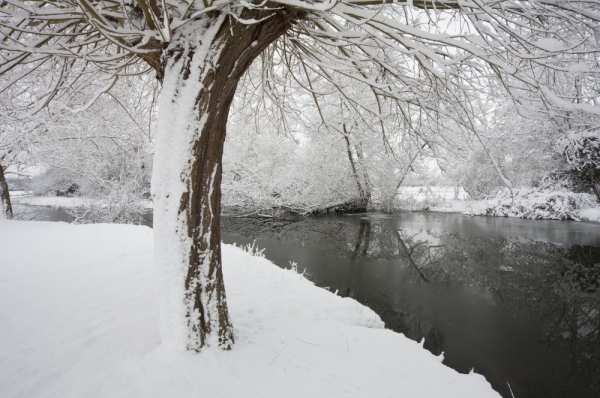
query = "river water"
x=516 y=300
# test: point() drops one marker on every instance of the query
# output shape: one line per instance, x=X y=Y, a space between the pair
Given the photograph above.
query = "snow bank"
x=535 y=204
x=455 y=206
x=590 y=214
x=528 y=203
x=432 y=193
x=63 y=202
x=14 y=194
x=80 y=319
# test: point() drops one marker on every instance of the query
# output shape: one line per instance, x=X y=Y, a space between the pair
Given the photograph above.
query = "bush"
x=582 y=154
x=536 y=204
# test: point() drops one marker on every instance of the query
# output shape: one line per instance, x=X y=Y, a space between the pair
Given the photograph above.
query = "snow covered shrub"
x=535 y=204
x=478 y=177
x=117 y=207
x=53 y=181
x=582 y=154
x=115 y=186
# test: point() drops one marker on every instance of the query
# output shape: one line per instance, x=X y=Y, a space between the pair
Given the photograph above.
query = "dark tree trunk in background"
x=596 y=189
x=5 y=205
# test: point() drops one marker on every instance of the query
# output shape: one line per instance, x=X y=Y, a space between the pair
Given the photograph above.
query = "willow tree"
x=199 y=50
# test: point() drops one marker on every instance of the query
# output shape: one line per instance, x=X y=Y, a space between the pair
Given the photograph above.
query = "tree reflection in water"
x=552 y=289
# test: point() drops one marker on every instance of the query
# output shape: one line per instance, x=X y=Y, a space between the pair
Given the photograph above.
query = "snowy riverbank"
x=481 y=208
x=62 y=202
x=56 y=202
x=437 y=199
x=79 y=319
x=530 y=203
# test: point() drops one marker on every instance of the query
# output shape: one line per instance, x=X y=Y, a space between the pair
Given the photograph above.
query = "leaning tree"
x=199 y=50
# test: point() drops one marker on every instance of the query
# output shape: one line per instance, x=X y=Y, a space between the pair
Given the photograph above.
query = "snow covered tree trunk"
x=362 y=182
x=5 y=205
x=202 y=68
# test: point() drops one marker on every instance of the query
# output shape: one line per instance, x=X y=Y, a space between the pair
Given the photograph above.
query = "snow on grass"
x=55 y=201
x=590 y=214
x=529 y=203
x=19 y=193
x=419 y=198
x=432 y=193
x=80 y=319
x=535 y=204
x=76 y=202
x=454 y=206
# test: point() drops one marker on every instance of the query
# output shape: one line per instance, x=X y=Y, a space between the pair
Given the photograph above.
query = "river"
x=516 y=300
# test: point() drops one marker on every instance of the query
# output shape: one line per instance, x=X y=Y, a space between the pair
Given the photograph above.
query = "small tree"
x=582 y=154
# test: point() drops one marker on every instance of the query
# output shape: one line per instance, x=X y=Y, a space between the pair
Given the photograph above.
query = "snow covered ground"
x=79 y=319
x=14 y=194
x=432 y=193
x=477 y=207
x=54 y=201
x=449 y=200
x=591 y=214
x=63 y=202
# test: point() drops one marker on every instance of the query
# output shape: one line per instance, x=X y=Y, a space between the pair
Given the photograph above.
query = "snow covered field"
x=79 y=319
x=63 y=202
x=54 y=201
x=431 y=193
x=14 y=194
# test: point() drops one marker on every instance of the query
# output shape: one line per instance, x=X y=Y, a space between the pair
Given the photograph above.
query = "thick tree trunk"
x=5 y=205
x=203 y=67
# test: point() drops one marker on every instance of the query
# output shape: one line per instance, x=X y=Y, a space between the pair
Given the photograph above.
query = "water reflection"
x=518 y=310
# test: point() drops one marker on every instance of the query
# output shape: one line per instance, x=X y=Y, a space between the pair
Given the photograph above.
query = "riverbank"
x=63 y=202
x=420 y=202
x=80 y=319
x=481 y=208
x=524 y=202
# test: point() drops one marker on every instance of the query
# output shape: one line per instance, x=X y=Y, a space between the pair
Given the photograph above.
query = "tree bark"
x=362 y=182
x=203 y=67
x=596 y=189
x=5 y=205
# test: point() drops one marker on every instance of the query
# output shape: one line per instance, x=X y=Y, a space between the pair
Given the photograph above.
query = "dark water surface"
x=517 y=300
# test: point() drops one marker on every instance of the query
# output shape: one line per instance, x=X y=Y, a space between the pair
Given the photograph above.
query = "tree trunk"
x=596 y=189
x=364 y=188
x=203 y=66
x=5 y=205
